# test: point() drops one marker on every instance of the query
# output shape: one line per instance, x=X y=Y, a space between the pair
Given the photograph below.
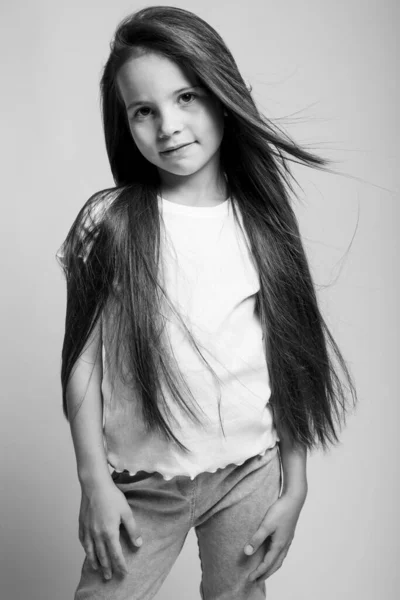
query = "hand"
x=103 y=508
x=279 y=523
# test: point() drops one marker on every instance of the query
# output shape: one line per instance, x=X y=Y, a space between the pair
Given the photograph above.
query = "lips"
x=175 y=148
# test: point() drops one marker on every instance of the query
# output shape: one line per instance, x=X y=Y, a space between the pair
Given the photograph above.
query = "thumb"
x=265 y=530
x=131 y=528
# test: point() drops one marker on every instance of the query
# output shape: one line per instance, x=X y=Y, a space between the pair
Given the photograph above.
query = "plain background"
x=327 y=71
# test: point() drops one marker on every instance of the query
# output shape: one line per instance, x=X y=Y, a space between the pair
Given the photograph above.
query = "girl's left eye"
x=187 y=97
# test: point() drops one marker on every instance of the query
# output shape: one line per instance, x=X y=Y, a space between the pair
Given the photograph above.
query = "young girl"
x=196 y=366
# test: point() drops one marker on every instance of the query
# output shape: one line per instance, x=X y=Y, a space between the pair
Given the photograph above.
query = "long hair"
x=112 y=262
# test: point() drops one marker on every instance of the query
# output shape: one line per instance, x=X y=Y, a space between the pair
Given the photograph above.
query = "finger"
x=102 y=556
x=131 y=528
x=263 y=532
x=273 y=568
x=270 y=558
x=88 y=546
x=115 y=552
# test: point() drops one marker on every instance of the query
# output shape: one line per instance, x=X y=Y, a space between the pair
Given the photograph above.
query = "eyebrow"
x=138 y=102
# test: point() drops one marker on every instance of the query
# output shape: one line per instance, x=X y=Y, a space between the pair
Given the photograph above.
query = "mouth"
x=176 y=149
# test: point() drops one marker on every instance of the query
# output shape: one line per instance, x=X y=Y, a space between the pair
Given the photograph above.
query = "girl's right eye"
x=139 y=112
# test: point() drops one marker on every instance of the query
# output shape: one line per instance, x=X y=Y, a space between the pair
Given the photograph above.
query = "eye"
x=187 y=97
x=143 y=111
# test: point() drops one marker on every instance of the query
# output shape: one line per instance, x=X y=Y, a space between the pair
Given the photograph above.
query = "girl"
x=196 y=366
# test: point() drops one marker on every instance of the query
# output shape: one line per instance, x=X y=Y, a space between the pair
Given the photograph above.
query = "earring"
x=225 y=112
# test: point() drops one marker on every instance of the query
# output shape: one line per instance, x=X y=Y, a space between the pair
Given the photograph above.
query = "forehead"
x=152 y=76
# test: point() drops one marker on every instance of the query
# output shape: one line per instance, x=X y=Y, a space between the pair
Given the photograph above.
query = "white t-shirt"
x=211 y=278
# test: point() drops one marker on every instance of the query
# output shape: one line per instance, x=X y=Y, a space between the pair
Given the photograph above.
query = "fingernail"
x=249 y=549
x=107 y=576
x=138 y=541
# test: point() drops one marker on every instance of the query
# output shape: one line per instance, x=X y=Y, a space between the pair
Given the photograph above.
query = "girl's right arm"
x=103 y=506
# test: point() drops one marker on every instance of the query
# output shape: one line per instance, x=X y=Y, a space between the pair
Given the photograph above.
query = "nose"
x=170 y=123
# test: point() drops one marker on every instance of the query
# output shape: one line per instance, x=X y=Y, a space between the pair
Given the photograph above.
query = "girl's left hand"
x=279 y=523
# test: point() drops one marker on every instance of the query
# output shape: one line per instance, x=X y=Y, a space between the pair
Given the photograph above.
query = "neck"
x=199 y=189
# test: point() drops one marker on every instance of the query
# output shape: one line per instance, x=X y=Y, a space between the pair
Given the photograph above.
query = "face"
x=168 y=108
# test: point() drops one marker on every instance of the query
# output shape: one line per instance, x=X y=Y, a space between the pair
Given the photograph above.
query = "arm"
x=294 y=464
x=85 y=413
x=103 y=506
x=281 y=518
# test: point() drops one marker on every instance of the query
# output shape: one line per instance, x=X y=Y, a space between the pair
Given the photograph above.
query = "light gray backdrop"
x=328 y=71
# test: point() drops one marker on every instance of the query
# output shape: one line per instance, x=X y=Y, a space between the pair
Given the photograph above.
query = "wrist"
x=93 y=477
x=297 y=492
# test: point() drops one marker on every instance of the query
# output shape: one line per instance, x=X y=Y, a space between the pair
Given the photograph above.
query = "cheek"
x=215 y=131
x=214 y=122
x=141 y=138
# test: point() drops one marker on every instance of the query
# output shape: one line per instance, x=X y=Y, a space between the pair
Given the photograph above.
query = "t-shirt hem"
x=193 y=475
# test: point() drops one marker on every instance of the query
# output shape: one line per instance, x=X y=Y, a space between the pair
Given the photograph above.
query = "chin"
x=180 y=170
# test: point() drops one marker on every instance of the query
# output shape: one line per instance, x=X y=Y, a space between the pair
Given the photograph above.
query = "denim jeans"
x=225 y=508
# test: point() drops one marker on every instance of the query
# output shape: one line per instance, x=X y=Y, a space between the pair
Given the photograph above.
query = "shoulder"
x=87 y=224
x=95 y=208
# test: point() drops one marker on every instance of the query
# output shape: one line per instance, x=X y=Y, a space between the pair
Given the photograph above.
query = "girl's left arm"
x=294 y=466
x=281 y=518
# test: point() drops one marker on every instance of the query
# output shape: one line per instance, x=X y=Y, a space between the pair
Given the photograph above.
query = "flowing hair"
x=112 y=252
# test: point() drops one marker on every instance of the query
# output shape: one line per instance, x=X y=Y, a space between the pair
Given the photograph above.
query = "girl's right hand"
x=103 y=508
